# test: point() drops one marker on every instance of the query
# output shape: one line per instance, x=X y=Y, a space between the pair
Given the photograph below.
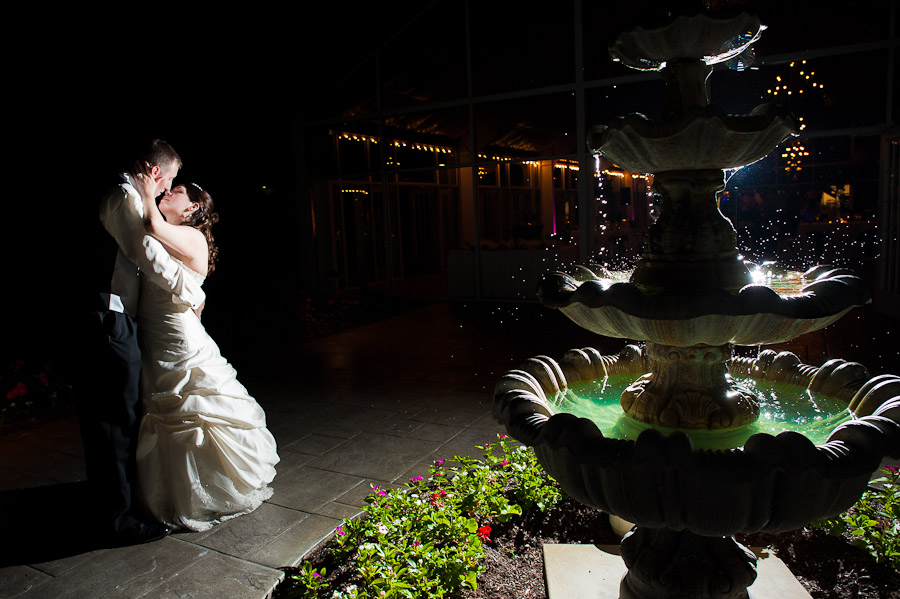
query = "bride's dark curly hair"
x=204 y=218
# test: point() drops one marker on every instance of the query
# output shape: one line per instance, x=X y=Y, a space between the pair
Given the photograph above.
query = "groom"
x=109 y=409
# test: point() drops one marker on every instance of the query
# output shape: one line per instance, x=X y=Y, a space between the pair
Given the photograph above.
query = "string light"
x=397 y=143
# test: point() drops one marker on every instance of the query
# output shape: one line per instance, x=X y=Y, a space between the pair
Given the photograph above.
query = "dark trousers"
x=109 y=411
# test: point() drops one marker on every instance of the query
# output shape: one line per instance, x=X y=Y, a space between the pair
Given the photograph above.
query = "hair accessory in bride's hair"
x=197 y=186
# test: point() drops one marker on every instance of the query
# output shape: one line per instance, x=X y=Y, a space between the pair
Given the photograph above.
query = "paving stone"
x=420 y=469
x=285 y=433
x=357 y=495
x=216 y=575
x=312 y=444
x=59 y=436
x=43 y=463
x=449 y=414
x=429 y=431
x=339 y=510
x=60 y=566
x=289 y=461
x=12 y=479
x=288 y=548
x=335 y=420
x=372 y=455
x=307 y=489
x=465 y=444
x=19 y=579
x=397 y=427
x=489 y=423
x=125 y=572
x=240 y=537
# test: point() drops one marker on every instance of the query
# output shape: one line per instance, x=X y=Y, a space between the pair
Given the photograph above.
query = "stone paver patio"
x=372 y=405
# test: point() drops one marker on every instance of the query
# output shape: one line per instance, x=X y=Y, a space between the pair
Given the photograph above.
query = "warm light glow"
x=566 y=164
x=397 y=143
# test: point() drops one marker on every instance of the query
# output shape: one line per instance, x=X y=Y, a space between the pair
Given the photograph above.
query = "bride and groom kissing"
x=172 y=440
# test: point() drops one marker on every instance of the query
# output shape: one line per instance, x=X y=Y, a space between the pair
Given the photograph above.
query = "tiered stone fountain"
x=691 y=298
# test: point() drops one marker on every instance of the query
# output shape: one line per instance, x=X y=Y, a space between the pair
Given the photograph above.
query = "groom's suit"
x=109 y=398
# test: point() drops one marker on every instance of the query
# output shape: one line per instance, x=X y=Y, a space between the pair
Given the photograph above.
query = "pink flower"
x=317 y=575
x=416 y=543
x=339 y=531
x=417 y=479
x=18 y=391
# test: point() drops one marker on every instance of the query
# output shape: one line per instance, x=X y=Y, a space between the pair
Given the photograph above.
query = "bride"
x=204 y=454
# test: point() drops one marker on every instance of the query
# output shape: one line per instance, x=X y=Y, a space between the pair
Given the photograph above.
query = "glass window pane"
x=801 y=25
x=516 y=48
x=833 y=92
x=427 y=64
x=527 y=127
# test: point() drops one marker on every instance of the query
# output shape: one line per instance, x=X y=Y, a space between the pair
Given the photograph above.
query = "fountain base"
x=689 y=388
x=596 y=571
x=669 y=564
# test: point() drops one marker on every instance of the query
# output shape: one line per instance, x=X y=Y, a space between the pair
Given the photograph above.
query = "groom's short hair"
x=160 y=153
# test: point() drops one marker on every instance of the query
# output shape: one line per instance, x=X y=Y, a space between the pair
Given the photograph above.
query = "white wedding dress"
x=204 y=454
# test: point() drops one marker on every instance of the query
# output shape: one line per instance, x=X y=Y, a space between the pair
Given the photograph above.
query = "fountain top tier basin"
x=699 y=37
x=755 y=314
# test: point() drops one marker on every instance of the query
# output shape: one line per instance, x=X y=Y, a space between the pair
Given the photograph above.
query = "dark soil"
x=827 y=566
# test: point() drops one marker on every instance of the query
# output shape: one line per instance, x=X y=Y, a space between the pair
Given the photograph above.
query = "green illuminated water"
x=782 y=408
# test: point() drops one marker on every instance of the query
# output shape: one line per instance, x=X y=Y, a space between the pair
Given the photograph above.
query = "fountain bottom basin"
x=687 y=501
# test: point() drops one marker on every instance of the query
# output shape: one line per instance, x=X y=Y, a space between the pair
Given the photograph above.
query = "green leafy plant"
x=427 y=539
x=874 y=522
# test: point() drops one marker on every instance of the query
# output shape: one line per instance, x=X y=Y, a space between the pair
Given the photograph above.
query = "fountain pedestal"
x=691 y=245
x=668 y=564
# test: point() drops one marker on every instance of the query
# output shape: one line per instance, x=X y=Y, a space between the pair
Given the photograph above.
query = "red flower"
x=19 y=390
x=485 y=533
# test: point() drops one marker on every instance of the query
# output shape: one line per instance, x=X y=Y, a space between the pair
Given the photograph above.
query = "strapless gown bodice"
x=204 y=454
